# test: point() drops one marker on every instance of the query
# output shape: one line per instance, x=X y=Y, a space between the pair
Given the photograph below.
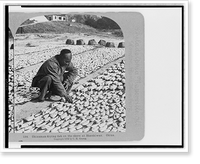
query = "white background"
x=163 y=58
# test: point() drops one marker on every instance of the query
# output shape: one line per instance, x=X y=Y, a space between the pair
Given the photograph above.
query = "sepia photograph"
x=69 y=75
x=95 y=76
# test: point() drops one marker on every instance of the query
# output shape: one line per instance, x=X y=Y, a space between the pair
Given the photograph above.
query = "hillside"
x=56 y=27
x=95 y=21
x=82 y=18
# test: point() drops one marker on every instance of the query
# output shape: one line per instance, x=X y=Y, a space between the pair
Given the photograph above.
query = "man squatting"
x=56 y=76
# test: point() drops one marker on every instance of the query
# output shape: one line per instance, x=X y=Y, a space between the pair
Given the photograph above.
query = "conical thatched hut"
x=70 y=42
x=102 y=42
x=92 y=42
x=110 y=44
x=80 y=42
x=121 y=45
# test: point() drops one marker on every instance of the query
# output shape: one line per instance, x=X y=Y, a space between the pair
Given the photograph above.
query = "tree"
x=102 y=23
x=91 y=22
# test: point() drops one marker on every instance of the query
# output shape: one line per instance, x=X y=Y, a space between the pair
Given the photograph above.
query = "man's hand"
x=66 y=84
x=67 y=98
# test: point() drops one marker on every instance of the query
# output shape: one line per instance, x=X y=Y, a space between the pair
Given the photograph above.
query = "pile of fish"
x=41 y=54
x=86 y=63
x=11 y=118
x=98 y=106
x=10 y=84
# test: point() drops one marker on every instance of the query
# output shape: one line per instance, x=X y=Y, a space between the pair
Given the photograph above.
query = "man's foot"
x=55 y=98
x=52 y=97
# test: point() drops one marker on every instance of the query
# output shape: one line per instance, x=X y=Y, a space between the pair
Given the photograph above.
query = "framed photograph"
x=95 y=77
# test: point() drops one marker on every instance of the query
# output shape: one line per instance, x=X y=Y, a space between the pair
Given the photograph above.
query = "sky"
x=39 y=19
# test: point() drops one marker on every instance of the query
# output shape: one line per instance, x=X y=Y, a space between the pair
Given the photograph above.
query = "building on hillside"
x=73 y=20
x=56 y=17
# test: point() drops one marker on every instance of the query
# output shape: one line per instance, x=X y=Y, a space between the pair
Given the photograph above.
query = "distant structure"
x=56 y=17
x=73 y=20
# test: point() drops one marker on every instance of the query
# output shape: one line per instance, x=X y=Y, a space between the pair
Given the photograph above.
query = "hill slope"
x=98 y=22
x=56 y=27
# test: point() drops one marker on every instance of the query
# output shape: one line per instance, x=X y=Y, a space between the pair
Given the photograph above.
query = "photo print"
x=76 y=76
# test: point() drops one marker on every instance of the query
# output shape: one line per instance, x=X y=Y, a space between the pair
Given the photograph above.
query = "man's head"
x=65 y=57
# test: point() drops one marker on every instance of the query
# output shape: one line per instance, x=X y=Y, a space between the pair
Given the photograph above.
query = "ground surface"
x=30 y=107
x=99 y=70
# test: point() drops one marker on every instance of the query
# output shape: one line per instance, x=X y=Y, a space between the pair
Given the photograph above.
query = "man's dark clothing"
x=51 y=77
